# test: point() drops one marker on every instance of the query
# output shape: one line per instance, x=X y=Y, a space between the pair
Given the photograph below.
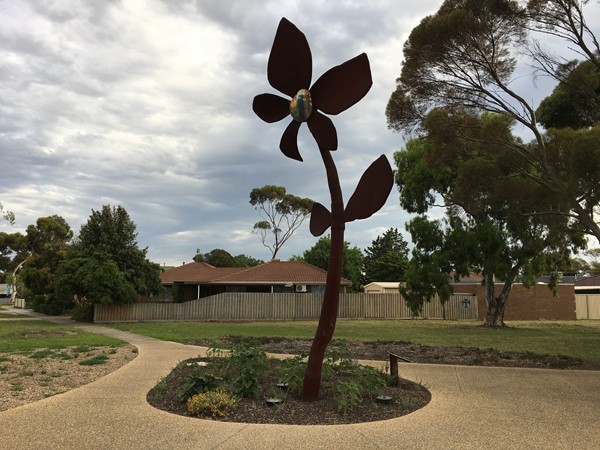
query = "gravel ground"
x=26 y=377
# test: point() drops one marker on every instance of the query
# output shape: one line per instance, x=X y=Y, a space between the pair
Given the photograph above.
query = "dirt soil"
x=416 y=353
x=26 y=377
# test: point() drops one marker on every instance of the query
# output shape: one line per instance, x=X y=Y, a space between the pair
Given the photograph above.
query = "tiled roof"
x=272 y=272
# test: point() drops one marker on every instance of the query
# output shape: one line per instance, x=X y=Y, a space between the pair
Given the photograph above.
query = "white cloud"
x=147 y=104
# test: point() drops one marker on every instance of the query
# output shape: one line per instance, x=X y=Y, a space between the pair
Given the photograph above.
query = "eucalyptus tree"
x=281 y=214
x=466 y=56
x=490 y=227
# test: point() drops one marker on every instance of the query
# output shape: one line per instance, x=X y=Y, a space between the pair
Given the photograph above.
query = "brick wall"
x=534 y=303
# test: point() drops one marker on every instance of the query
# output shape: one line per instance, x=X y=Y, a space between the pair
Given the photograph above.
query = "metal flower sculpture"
x=290 y=72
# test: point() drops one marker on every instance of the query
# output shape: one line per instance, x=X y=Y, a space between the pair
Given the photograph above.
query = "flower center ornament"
x=301 y=106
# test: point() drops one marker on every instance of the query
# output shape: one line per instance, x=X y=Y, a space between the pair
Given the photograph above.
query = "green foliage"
x=248 y=361
x=212 y=403
x=177 y=292
x=492 y=226
x=575 y=101
x=219 y=258
x=7 y=216
x=357 y=381
x=281 y=215
x=46 y=246
x=94 y=361
x=98 y=279
x=348 y=396
x=41 y=354
x=386 y=258
x=246 y=261
x=198 y=382
x=106 y=265
x=292 y=372
x=461 y=61
x=352 y=260
x=83 y=313
x=222 y=258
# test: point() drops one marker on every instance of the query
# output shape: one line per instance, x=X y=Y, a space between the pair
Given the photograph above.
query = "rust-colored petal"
x=371 y=192
x=271 y=108
x=323 y=131
x=289 y=141
x=320 y=219
x=290 y=62
x=342 y=86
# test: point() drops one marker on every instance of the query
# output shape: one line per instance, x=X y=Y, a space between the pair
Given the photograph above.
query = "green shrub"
x=248 y=361
x=177 y=292
x=371 y=380
x=83 y=313
x=211 y=403
x=292 y=372
x=198 y=382
x=348 y=396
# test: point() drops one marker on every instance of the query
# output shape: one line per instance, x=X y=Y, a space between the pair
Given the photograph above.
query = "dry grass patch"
x=28 y=376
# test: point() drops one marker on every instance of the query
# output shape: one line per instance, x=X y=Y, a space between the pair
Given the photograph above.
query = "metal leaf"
x=320 y=219
x=372 y=191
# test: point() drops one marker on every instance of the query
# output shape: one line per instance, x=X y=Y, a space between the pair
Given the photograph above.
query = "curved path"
x=471 y=407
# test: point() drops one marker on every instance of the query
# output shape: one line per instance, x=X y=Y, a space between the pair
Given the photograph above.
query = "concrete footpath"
x=471 y=407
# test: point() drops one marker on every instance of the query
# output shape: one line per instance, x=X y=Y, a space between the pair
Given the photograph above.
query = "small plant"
x=94 y=361
x=249 y=362
x=41 y=354
x=157 y=392
x=82 y=349
x=198 y=382
x=292 y=371
x=211 y=403
x=16 y=387
x=5 y=359
x=372 y=381
x=348 y=396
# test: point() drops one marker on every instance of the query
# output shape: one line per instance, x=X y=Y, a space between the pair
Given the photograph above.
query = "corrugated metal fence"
x=587 y=306
x=248 y=306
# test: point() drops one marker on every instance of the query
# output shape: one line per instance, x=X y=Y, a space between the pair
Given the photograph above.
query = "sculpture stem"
x=331 y=298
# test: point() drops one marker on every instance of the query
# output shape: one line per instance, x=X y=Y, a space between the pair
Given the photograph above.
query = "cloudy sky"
x=147 y=104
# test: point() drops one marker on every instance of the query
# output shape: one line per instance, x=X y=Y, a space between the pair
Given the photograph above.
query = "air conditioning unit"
x=301 y=288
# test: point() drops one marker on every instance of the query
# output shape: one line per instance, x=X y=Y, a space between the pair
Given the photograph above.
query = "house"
x=588 y=285
x=201 y=280
x=382 y=287
x=536 y=302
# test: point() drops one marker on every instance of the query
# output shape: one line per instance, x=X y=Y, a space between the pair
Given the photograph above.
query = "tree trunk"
x=331 y=298
x=496 y=304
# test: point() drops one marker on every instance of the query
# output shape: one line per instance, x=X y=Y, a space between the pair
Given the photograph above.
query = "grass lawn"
x=579 y=339
x=24 y=335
